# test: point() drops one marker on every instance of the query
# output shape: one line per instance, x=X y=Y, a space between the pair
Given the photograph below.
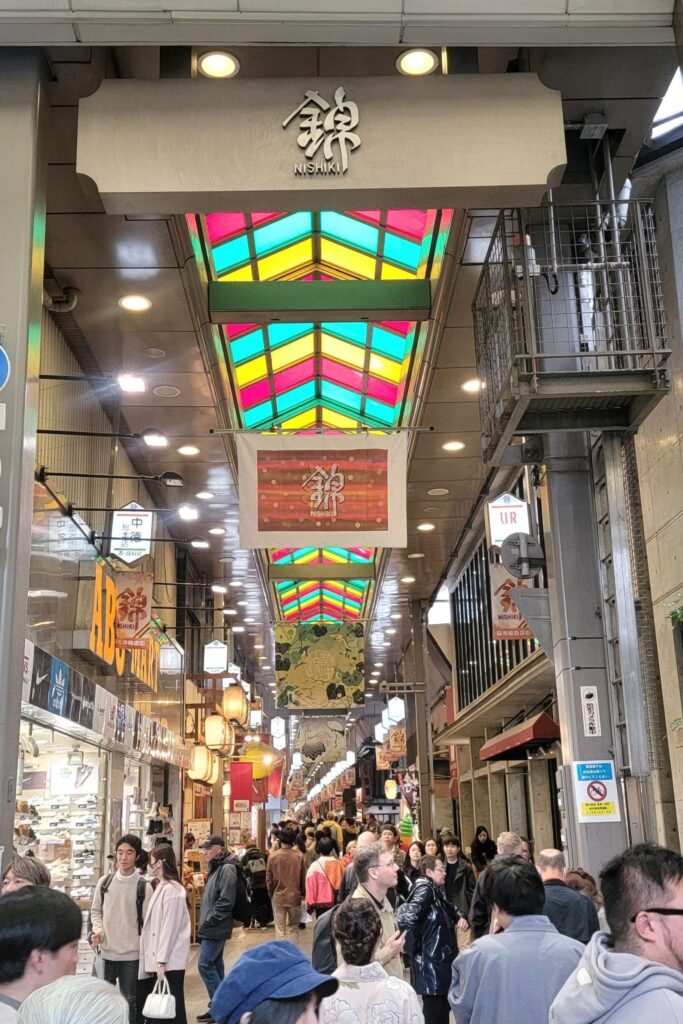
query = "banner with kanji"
x=320 y=739
x=397 y=742
x=241 y=785
x=322 y=491
x=133 y=608
x=507 y=622
x=320 y=665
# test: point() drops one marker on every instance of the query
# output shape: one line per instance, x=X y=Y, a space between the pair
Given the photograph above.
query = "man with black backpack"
x=117 y=914
x=216 y=914
x=254 y=866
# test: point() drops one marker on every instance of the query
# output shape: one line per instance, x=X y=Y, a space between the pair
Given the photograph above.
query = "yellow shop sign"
x=143 y=663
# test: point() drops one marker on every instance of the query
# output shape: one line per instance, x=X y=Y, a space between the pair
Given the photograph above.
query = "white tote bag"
x=159 y=1004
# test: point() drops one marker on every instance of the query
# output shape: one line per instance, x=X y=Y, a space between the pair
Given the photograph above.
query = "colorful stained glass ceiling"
x=326 y=375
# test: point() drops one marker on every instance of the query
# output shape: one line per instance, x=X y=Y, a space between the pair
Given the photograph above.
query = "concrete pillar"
x=467 y=822
x=415 y=663
x=516 y=798
x=22 y=254
x=497 y=803
x=482 y=806
x=541 y=811
x=578 y=637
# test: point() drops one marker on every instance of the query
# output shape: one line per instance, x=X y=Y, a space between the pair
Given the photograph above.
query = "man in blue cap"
x=265 y=976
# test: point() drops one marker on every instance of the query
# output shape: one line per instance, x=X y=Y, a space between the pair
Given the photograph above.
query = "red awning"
x=513 y=743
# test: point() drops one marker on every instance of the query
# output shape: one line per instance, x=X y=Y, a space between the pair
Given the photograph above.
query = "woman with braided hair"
x=366 y=993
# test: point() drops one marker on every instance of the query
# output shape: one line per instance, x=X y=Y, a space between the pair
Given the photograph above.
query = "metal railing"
x=567 y=291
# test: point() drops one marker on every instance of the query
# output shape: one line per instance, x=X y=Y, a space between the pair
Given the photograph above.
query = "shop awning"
x=513 y=743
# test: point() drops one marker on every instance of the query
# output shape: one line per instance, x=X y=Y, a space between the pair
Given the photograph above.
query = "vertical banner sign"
x=397 y=742
x=320 y=665
x=505 y=515
x=133 y=608
x=595 y=787
x=132 y=528
x=382 y=759
x=507 y=621
x=337 y=491
x=241 y=786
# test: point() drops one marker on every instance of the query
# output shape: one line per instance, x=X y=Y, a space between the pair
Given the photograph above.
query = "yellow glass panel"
x=385 y=368
x=251 y=371
x=280 y=263
x=303 y=421
x=294 y=352
x=336 y=419
x=241 y=274
x=343 y=351
x=392 y=273
x=356 y=263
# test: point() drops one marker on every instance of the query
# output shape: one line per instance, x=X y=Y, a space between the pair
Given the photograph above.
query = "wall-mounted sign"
x=215 y=657
x=101 y=639
x=131 y=530
x=506 y=514
x=133 y=608
x=326 y=129
x=507 y=622
x=590 y=711
x=595 y=787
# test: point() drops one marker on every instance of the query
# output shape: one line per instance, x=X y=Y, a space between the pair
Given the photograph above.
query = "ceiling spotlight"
x=416 y=554
x=230 y=611
x=218 y=64
x=236 y=583
x=426 y=527
x=375 y=673
x=387 y=643
x=154 y=438
x=417 y=62
x=205 y=495
x=395 y=615
x=131 y=384
x=258 y=647
x=188 y=449
x=438 y=492
x=378 y=664
x=474 y=386
x=243 y=604
x=264 y=667
x=249 y=620
x=218 y=588
x=238 y=629
x=172 y=479
x=199 y=542
x=135 y=303
x=217 y=531
x=188 y=512
x=407 y=579
x=390 y=632
x=453 y=446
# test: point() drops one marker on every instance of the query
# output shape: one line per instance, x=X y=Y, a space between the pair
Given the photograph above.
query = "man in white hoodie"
x=634 y=975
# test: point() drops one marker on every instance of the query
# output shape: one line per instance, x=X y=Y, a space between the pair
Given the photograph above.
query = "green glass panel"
x=280 y=334
x=379 y=411
x=297 y=396
x=231 y=254
x=386 y=343
x=259 y=415
x=355 y=233
x=282 y=232
x=340 y=396
x=352 y=331
x=246 y=347
x=401 y=251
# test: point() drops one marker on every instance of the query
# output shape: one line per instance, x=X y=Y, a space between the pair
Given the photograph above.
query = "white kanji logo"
x=322 y=124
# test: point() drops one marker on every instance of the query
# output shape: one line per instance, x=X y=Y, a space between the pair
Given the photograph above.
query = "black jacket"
x=218 y=900
x=324 y=955
x=429 y=922
x=482 y=853
x=571 y=912
x=480 y=910
x=460 y=884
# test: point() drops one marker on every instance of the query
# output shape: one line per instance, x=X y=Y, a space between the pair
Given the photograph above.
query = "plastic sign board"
x=506 y=514
x=215 y=657
x=596 y=791
x=590 y=711
x=131 y=530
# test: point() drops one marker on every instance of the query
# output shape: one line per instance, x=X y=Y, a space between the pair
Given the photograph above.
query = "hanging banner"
x=132 y=528
x=215 y=657
x=320 y=739
x=337 y=491
x=275 y=780
x=241 y=785
x=320 y=665
x=397 y=742
x=133 y=608
x=507 y=622
x=382 y=759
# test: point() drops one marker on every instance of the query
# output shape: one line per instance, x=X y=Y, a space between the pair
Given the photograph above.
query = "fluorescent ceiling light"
x=416 y=554
x=205 y=495
x=135 y=303
x=131 y=384
x=188 y=449
x=426 y=527
x=218 y=64
x=217 y=531
x=395 y=615
x=407 y=579
x=238 y=629
x=417 y=62
x=453 y=446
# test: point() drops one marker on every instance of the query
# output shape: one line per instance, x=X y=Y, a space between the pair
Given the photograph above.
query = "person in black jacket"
x=215 y=915
x=411 y=869
x=508 y=844
x=460 y=881
x=483 y=848
x=572 y=913
x=429 y=922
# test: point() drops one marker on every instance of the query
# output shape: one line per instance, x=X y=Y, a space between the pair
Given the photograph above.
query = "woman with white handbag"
x=164 y=943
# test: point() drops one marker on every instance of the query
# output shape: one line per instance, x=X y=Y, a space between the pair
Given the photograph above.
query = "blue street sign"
x=4 y=368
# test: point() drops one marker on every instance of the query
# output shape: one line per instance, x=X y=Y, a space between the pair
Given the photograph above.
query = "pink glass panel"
x=400 y=326
x=261 y=218
x=254 y=393
x=371 y=215
x=408 y=222
x=382 y=390
x=281 y=553
x=237 y=330
x=220 y=226
x=294 y=375
x=342 y=375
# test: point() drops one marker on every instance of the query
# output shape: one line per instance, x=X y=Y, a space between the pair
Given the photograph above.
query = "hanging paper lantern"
x=201 y=763
x=215 y=732
x=236 y=706
x=390 y=789
x=262 y=757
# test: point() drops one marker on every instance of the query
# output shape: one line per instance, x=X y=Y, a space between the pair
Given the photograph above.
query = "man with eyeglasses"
x=634 y=975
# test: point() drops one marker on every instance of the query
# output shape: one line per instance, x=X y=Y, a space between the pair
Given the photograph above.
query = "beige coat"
x=165 y=935
x=392 y=964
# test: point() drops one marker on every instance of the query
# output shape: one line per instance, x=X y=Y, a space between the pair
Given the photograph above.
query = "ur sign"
x=506 y=514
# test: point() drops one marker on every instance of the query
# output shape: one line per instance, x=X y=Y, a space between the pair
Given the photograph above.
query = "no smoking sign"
x=596 y=791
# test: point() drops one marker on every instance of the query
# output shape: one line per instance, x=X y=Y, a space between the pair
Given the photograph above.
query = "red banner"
x=275 y=780
x=241 y=786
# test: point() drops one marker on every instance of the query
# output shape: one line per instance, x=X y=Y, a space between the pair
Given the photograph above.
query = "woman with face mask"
x=165 y=939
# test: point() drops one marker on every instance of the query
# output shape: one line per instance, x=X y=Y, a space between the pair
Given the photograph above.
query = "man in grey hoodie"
x=634 y=975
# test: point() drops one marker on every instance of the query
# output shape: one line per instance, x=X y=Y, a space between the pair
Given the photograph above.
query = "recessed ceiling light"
x=199 y=542
x=238 y=629
x=266 y=667
x=453 y=446
x=243 y=604
x=218 y=64
x=205 y=495
x=154 y=438
x=438 y=492
x=236 y=583
x=135 y=303
x=218 y=588
x=225 y=558
x=407 y=579
x=188 y=449
x=154 y=353
x=417 y=62
x=230 y=611
x=426 y=527
x=131 y=384
x=416 y=554
x=387 y=643
x=166 y=391
x=257 y=647
x=390 y=632
x=395 y=615
x=472 y=387
x=188 y=512
x=375 y=673
x=378 y=664
x=250 y=620
x=217 y=531
x=431 y=508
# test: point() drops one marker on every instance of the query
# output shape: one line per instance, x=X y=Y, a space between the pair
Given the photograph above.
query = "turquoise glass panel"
x=400 y=250
x=386 y=343
x=355 y=233
x=282 y=232
x=378 y=411
x=231 y=254
x=259 y=414
x=280 y=334
x=355 y=332
x=340 y=396
x=246 y=347
x=297 y=396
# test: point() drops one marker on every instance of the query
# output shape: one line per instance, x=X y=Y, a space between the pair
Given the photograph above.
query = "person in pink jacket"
x=323 y=879
x=165 y=939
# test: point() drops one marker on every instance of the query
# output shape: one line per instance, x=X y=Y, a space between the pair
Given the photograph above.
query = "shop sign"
x=382 y=759
x=28 y=671
x=590 y=711
x=133 y=608
x=397 y=742
x=507 y=622
x=143 y=663
x=506 y=514
x=327 y=130
x=215 y=657
x=132 y=528
x=595 y=788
